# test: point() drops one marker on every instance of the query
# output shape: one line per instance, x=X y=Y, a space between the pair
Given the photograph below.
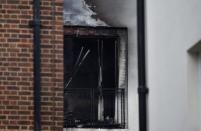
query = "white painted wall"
x=173 y=26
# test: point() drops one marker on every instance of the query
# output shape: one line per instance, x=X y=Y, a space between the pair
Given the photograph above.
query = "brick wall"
x=16 y=65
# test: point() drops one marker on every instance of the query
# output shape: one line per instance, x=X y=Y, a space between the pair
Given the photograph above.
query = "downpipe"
x=142 y=87
x=37 y=63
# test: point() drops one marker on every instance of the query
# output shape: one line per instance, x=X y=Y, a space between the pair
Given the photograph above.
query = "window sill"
x=92 y=129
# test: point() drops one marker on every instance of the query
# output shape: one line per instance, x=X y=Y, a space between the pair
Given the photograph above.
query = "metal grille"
x=83 y=108
x=94 y=94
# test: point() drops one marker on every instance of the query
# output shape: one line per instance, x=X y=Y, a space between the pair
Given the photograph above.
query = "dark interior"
x=91 y=70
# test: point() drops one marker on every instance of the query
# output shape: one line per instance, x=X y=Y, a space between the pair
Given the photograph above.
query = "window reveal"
x=93 y=98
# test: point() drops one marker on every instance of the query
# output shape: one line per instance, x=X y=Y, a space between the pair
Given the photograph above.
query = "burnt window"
x=93 y=98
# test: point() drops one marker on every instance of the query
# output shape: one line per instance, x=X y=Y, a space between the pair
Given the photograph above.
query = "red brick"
x=16 y=65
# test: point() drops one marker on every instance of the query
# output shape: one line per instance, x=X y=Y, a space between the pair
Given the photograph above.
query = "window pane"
x=92 y=97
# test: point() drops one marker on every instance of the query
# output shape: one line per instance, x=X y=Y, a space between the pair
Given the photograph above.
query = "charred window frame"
x=95 y=97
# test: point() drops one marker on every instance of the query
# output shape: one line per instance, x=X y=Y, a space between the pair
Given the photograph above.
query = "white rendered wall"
x=173 y=26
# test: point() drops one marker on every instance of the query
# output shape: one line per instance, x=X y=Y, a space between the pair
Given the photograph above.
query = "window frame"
x=98 y=32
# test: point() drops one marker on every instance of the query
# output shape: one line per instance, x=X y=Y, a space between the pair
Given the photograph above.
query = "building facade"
x=172 y=55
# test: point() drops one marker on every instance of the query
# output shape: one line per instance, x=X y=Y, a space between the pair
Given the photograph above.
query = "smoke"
x=78 y=12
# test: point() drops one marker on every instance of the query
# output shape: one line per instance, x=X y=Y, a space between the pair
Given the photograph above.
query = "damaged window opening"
x=92 y=95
